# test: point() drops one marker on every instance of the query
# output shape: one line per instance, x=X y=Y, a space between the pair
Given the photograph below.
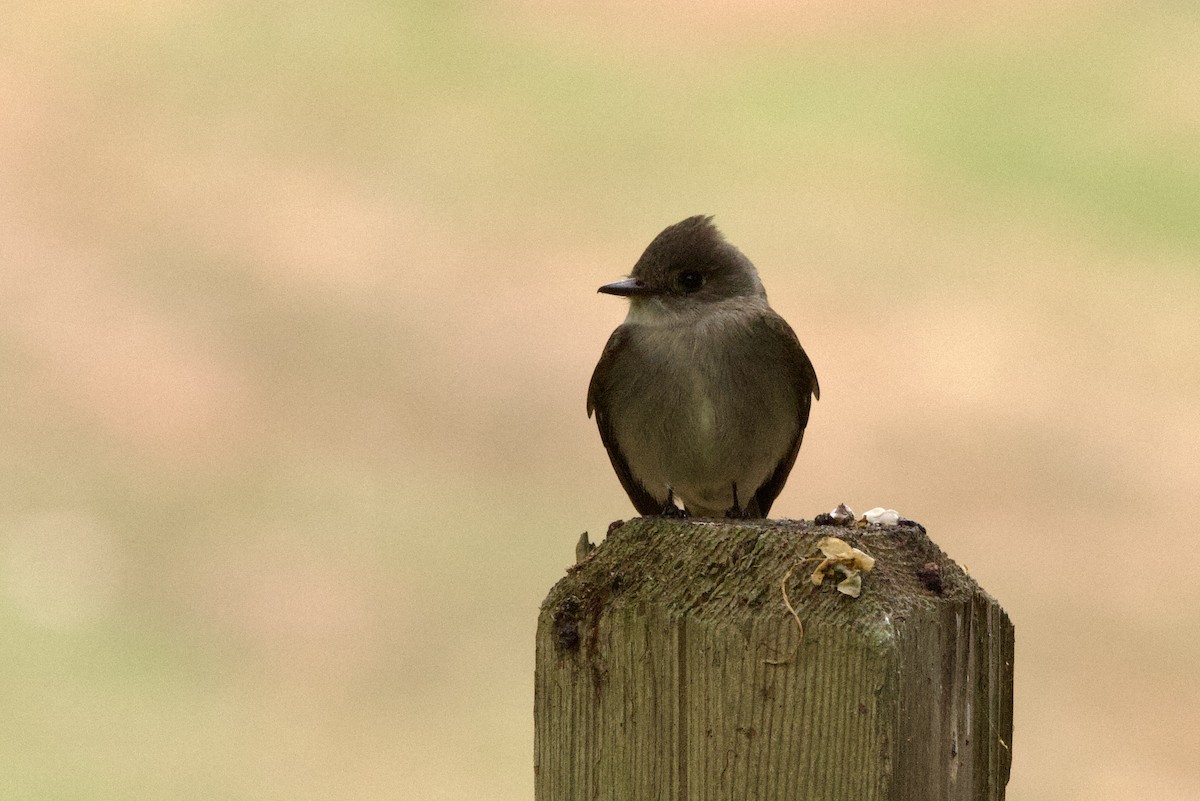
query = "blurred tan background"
x=297 y=313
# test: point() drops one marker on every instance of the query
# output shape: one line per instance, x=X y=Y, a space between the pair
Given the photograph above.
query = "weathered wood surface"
x=652 y=681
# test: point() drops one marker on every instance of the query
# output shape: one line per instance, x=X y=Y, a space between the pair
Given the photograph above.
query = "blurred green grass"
x=297 y=316
x=450 y=104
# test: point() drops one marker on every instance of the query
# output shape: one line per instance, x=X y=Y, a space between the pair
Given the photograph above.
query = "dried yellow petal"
x=852 y=585
x=848 y=561
x=834 y=548
x=863 y=560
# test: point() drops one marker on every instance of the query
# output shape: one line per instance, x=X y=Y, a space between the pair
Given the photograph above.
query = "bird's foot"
x=669 y=508
x=736 y=512
x=751 y=511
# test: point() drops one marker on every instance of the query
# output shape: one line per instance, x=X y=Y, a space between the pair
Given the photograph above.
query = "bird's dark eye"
x=690 y=280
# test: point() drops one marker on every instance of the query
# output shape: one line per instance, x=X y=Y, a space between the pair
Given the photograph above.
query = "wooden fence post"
x=656 y=675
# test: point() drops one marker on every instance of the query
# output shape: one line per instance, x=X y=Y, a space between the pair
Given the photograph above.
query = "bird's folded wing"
x=598 y=393
x=775 y=334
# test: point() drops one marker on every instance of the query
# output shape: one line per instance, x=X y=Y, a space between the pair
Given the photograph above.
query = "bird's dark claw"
x=670 y=509
x=734 y=511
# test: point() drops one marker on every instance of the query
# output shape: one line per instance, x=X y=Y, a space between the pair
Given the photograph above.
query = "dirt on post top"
x=726 y=569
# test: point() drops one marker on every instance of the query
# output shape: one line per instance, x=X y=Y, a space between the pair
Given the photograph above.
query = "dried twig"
x=788 y=603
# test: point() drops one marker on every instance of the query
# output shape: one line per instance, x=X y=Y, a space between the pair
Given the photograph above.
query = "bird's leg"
x=736 y=509
x=669 y=508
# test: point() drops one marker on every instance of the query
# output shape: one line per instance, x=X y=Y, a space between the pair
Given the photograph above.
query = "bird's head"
x=686 y=268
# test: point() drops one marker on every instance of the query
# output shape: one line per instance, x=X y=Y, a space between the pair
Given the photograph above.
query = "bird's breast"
x=702 y=410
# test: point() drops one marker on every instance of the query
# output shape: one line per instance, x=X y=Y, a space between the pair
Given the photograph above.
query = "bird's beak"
x=630 y=287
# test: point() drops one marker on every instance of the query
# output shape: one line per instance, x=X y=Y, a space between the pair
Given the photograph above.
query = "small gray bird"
x=703 y=393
